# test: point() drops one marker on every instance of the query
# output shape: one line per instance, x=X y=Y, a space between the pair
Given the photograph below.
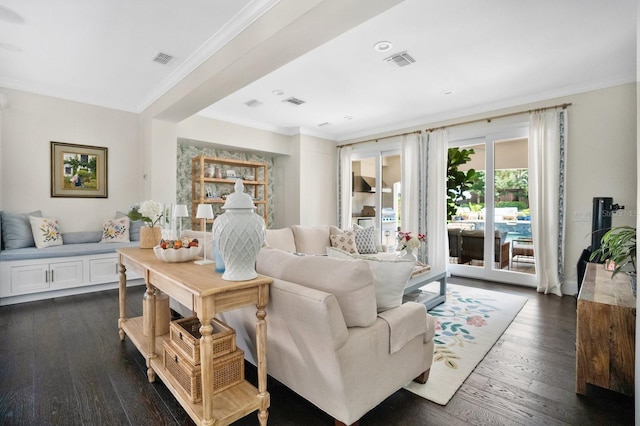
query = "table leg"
x=206 y=367
x=261 y=348
x=122 y=296
x=149 y=323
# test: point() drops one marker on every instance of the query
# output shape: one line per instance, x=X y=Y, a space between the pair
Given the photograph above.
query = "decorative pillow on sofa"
x=390 y=277
x=365 y=240
x=115 y=230
x=16 y=230
x=350 y=282
x=345 y=241
x=46 y=232
x=376 y=235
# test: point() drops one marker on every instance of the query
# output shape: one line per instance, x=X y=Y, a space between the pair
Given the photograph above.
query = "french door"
x=490 y=232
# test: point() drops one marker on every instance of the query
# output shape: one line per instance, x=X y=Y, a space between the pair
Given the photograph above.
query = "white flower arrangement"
x=406 y=240
x=148 y=211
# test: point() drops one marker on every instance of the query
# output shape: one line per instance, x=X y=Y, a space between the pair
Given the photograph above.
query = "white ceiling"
x=491 y=54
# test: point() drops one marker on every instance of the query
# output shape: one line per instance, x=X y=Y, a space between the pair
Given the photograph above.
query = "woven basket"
x=184 y=334
x=228 y=370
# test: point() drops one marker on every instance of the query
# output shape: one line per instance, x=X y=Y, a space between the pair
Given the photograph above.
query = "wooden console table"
x=201 y=289
x=605 y=332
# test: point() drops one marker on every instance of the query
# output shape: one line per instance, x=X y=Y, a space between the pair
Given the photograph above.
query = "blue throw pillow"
x=16 y=230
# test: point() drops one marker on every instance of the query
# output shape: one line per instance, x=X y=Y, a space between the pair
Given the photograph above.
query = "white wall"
x=30 y=123
x=318 y=181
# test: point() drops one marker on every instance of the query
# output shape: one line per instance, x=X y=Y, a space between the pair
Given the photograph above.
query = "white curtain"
x=436 y=200
x=344 y=187
x=547 y=156
x=410 y=182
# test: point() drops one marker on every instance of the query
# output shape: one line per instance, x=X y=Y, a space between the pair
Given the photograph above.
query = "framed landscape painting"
x=78 y=171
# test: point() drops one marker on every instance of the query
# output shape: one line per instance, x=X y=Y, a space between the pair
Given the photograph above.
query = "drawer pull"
x=175 y=358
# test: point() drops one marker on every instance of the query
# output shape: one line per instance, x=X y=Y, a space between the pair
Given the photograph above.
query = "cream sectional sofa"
x=326 y=338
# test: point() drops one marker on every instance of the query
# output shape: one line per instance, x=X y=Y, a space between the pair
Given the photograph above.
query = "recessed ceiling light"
x=278 y=92
x=447 y=92
x=326 y=123
x=348 y=117
x=253 y=103
x=382 y=46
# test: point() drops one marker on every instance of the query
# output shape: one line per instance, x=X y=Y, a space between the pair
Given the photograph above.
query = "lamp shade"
x=204 y=211
x=180 y=210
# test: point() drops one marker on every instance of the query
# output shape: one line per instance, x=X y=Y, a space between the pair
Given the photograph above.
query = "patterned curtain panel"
x=547 y=160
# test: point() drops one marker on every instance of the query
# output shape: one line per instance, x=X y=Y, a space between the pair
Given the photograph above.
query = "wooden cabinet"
x=213 y=179
x=605 y=332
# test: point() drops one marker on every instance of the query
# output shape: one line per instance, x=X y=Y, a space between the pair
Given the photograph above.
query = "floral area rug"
x=468 y=324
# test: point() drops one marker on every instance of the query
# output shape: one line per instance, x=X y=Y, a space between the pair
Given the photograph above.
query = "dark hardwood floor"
x=62 y=363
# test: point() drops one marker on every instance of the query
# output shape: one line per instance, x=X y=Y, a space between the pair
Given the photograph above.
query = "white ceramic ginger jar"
x=239 y=234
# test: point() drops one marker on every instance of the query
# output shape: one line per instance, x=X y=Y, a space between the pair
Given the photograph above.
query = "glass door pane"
x=512 y=218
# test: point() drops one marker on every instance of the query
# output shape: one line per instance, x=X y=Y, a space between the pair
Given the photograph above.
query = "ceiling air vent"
x=401 y=59
x=326 y=123
x=163 y=58
x=294 y=101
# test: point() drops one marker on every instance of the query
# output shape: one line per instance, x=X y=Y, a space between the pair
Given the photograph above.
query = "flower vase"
x=150 y=236
x=409 y=255
x=239 y=234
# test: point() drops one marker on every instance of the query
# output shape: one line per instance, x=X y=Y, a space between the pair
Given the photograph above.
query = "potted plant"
x=618 y=245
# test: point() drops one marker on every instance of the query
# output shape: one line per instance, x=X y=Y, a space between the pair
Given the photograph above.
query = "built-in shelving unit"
x=214 y=178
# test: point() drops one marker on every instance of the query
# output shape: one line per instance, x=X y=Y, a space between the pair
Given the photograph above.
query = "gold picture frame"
x=78 y=171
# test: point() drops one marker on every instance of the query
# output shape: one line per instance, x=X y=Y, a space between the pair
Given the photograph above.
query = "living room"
x=143 y=146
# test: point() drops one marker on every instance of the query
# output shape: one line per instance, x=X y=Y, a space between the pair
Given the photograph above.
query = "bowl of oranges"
x=180 y=250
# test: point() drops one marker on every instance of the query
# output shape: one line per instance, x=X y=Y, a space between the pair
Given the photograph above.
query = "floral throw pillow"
x=345 y=242
x=115 y=230
x=46 y=231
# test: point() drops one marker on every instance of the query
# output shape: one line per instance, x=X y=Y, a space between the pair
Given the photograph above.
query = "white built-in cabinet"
x=35 y=279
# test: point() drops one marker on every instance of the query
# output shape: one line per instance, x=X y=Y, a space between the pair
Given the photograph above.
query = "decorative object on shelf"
x=205 y=211
x=150 y=213
x=211 y=171
x=180 y=211
x=408 y=244
x=163 y=313
x=218 y=172
x=230 y=173
x=239 y=233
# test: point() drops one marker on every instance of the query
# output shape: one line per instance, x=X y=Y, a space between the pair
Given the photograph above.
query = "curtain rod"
x=377 y=139
x=488 y=120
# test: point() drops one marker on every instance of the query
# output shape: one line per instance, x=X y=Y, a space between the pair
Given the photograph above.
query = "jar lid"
x=239 y=199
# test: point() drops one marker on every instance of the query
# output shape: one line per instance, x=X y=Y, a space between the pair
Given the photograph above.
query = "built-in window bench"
x=30 y=273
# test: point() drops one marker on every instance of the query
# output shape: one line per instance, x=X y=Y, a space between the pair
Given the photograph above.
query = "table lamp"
x=204 y=212
x=180 y=211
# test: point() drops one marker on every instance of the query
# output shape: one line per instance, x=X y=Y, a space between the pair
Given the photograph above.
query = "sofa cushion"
x=351 y=282
x=81 y=237
x=46 y=231
x=390 y=276
x=345 y=241
x=365 y=240
x=115 y=230
x=281 y=239
x=311 y=239
x=16 y=230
